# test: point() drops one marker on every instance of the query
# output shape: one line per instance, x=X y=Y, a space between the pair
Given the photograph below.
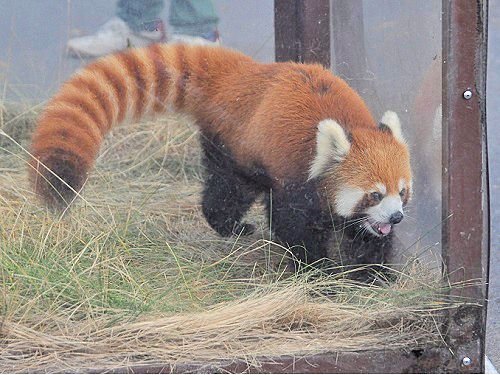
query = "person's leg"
x=137 y=24
x=140 y=15
x=194 y=21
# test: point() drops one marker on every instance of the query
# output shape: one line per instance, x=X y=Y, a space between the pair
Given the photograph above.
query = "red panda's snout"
x=366 y=173
x=381 y=211
x=373 y=211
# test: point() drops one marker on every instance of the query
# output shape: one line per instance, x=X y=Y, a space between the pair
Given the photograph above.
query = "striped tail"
x=129 y=84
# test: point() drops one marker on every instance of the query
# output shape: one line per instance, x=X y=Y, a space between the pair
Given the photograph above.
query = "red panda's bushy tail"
x=129 y=84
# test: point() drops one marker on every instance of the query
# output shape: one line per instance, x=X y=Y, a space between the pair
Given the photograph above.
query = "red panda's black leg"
x=227 y=193
x=299 y=223
x=225 y=201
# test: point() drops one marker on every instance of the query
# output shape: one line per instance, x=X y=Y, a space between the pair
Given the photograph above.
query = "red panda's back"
x=281 y=133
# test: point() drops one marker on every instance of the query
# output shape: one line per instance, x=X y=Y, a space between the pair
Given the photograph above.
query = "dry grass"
x=134 y=275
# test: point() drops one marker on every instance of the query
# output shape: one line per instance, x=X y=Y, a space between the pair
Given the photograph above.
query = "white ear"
x=391 y=120
x=332 y=146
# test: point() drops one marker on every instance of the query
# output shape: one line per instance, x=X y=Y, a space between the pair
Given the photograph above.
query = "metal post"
x=465 y=189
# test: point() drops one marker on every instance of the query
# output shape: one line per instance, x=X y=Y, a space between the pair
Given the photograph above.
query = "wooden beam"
x=302 y=31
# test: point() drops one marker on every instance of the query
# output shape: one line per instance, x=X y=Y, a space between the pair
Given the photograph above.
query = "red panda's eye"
x=376 y=196
x=402 y=192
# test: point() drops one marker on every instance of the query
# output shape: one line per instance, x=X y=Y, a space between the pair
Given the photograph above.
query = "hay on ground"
x=133 y=275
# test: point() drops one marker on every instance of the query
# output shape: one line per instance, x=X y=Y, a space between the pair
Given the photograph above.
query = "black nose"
x=396 y=217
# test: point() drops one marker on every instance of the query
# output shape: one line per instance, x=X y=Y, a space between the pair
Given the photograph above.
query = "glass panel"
x=153 y=233
x=398 y=67
x=393 y=59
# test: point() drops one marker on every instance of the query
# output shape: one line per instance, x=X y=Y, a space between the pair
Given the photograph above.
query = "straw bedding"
x=132 y=274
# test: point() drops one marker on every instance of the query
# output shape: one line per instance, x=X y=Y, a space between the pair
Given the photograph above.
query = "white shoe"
x=209 y=39
x=113 y=36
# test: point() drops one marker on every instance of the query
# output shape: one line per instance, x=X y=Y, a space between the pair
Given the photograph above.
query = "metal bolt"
x=467 y=94
x=466 y=361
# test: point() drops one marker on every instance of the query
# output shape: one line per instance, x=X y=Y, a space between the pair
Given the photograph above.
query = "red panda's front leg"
x=298 y=222
x=301 y=222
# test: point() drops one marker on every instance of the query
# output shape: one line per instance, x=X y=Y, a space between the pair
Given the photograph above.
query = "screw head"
x=466 y=361
x=467 y=94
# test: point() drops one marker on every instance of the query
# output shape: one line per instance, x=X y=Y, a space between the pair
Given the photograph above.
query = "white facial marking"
x=332 y=146
x=347 y=199
x=383 y=211
x=391 y=119
x=380 y=187
x=370 y=229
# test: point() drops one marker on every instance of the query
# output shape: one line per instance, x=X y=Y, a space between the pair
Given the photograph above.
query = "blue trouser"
x=140 y=15
x=191 y=17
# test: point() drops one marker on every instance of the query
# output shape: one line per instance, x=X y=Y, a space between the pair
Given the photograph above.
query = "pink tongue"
x=385 y=228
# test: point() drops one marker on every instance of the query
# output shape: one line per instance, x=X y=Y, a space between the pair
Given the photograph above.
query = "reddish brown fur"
x=117 y=82
x=375 y=157
x=161 y=77
x=266 y=114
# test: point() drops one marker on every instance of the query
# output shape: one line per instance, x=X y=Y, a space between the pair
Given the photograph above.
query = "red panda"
x=293 y=129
